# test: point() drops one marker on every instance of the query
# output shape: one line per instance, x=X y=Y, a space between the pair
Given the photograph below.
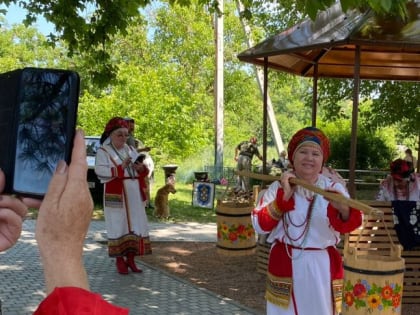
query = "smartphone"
x=140 y=158
x=38 y=111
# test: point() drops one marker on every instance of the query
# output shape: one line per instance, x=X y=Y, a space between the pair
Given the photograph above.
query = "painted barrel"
x=373 y=284
x=235 y=233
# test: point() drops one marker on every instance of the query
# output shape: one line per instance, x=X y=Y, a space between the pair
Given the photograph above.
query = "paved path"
x=151 y=292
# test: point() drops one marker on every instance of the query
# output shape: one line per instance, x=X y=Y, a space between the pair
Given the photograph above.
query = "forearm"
x=64 y=271
x=352 y=222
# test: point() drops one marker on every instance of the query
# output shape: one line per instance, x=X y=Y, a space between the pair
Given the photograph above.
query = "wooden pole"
x=355 y=115
x=327 y=194
x=218 y=94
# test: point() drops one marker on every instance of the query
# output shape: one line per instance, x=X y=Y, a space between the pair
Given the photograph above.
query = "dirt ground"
x=234 y=277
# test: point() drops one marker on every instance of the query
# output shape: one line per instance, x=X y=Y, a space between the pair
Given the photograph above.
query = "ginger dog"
x=161 y=200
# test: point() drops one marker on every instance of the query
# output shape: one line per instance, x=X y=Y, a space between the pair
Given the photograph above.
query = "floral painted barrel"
x=235 y=234
x=373 y=284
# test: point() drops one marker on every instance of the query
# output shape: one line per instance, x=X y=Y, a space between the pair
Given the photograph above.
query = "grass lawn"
x=180 y=203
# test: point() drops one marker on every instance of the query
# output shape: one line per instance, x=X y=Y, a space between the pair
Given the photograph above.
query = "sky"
x=15 y=15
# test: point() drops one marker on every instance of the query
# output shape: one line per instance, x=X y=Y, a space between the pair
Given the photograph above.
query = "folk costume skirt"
x=126 y=221
x=310 y=288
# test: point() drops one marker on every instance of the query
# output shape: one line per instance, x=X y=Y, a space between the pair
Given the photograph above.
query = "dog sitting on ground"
x=161 y=201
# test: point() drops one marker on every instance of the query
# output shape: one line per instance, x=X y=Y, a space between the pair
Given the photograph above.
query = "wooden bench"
x=374 y=240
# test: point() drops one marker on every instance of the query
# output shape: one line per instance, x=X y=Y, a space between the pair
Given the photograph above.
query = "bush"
x=374 y=149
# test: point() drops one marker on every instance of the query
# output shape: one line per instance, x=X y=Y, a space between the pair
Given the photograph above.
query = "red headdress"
x=113 y=124
x=400 y=169
x=309 y=134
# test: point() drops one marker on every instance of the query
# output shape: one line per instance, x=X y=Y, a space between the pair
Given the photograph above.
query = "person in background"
x=131 y=140
x=305 y=270
x=409 y=157
x=244 y=152
x=124 y=198
x=400 y=184
x=148 y=161
x=402 y=188
x=61 y=227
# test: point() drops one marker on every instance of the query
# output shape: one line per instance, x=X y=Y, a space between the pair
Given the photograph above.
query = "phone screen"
x=45 y=119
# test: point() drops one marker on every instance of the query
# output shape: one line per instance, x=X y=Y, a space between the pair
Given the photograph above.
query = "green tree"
x=89 y=27
x=165 y=81
x=165 y=72
x=375 y=149
x=24 y=47
x=392 y=104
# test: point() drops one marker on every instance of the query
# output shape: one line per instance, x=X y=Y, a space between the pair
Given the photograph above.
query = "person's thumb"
x=57 y=184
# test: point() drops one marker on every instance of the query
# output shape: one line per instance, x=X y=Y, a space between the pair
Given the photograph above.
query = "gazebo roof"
x=390 y=49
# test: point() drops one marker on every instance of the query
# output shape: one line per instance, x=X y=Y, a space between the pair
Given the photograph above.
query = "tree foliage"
x=164 y=67
x=384 y=7
x=165 y=81
x=90 y=26
x=392 y=103
x=375 y=149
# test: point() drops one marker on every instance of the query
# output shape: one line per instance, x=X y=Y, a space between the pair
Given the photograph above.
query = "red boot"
x=121 y=266
x=131 y=264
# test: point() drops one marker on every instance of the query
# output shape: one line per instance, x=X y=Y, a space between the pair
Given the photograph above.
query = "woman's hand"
x=139 y=167
x=12 y=212
x=285 y=184
x=126 y=162
x=63 y=221
x=342 y=208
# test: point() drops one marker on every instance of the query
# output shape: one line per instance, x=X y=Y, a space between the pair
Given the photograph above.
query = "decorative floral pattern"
x=370 y=296
x=406 y=215
x=235 y=232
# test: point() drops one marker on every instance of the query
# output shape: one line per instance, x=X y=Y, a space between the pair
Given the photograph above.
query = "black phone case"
x=22 y=89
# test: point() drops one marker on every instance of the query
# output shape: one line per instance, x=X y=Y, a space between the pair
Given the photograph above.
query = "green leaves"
x=381 y=7
x=89 y=27
x=313 y=6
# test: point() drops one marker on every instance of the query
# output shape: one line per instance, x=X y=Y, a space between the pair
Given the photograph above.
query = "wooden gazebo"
x=353 y=44
x=361 y=46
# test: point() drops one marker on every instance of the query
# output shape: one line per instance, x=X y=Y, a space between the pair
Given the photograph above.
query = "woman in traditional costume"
x=305 y=270
x=402 y=189
x=124 y=198
x=401 y=184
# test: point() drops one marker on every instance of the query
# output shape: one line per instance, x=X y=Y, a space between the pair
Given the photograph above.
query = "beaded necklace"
x=303 y=236
x=122 y=158
x=398 y=193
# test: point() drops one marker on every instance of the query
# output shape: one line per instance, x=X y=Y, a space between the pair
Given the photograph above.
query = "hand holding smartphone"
x=140 y=158
x=38 y=110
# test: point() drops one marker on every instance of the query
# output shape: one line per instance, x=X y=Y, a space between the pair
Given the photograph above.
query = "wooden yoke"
x=366 y=209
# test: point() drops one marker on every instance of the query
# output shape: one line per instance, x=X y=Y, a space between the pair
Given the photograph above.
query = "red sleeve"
x=77 y=301
x=266 y=221
x=352 y=223
x=284 y=205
